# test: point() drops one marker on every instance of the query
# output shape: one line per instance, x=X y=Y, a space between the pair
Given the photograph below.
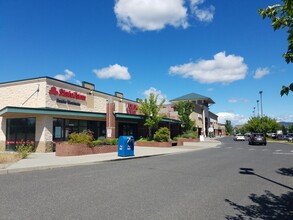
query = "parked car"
x=239 y=137
x=289 y=137
x=257 y=138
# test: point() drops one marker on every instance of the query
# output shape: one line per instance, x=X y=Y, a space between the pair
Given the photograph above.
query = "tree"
x=282 y=17
x=151 y=110
x=262 y=124
x=290 y=129
x=228 y=126
x=184 y=109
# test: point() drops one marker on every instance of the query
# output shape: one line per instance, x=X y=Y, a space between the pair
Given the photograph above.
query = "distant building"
x=205 y=121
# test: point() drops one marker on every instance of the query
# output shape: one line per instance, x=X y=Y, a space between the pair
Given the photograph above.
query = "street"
x=231 y=181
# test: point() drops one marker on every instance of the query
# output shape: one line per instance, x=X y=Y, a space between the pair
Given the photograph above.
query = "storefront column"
x=203 y=122
x=110 y=119
x=2 y=134
x=44 y=134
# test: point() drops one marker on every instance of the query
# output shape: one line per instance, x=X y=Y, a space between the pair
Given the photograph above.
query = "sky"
x=220 y=49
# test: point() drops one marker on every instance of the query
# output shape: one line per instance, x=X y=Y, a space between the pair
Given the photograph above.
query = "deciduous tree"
x=150 y=109
x=262 y=124
x=229 y=127
x=281 y=16
x=184 y=109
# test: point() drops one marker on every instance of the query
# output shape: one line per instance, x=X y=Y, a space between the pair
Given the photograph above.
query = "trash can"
x=125 y=146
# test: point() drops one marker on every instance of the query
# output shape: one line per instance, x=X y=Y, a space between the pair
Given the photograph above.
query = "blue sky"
x=220 y=49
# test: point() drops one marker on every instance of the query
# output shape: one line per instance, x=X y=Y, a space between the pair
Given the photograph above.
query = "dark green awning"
x=49 y=111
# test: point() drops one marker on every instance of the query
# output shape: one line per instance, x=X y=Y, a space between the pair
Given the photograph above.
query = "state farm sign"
x=67 y=94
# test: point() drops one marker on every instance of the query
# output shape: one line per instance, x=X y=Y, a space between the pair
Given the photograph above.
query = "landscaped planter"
x=65 y=149
x=181 y=140
x=154 y=144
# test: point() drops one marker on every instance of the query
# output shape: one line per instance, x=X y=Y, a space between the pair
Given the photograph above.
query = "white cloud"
x=146 y=15
x=205 y=14
x=66 y=76
x=284 y=118
x=223 y=69
x=153 y=90
x=235 y=119
x=261 y=72
x=113 y=71
x=235 y=100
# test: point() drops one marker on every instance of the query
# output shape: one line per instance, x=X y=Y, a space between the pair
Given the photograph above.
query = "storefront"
x=43 y=111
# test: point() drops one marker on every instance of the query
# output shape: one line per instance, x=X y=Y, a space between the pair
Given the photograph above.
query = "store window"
x=20 y=131
x=62 y=128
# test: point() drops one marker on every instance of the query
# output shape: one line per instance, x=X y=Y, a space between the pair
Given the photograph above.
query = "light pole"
x=260 y=93
x=253 y=111
x=257 y=108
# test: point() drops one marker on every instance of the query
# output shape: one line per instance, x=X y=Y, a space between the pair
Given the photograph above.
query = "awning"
x=142 y=117
x=10 y=111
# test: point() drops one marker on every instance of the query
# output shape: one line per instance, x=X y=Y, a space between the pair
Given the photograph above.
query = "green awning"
x=49 y=111
x=142 y=117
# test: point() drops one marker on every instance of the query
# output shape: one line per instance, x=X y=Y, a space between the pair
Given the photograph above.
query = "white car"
x=239 y=137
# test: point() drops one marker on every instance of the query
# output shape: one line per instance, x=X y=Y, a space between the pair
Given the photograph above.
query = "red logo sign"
x=131 y=108
x=67 y=94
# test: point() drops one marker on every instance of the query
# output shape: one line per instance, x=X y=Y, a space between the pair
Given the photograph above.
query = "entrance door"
x=128 y=130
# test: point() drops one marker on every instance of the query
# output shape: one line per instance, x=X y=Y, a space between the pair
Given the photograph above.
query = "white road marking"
x=278 y=150
x=283 y=153
x=252 y=149
x=264 y=149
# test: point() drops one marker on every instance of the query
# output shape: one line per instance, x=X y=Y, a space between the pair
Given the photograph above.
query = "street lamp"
x=253 y=111
x=260 y=93
x=257 y=108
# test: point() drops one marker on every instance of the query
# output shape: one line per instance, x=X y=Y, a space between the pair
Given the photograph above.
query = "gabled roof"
x=193 y=97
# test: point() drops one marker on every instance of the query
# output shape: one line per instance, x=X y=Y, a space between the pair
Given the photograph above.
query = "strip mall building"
x=42 y=111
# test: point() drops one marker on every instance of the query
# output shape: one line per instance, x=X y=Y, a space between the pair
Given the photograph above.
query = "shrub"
x=162 y=135
x=114 y=141
x=85 y=137
x=104 y=141
x=189 y=134
x=24 y=150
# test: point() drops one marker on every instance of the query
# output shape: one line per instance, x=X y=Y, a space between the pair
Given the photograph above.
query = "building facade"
x=42 y=111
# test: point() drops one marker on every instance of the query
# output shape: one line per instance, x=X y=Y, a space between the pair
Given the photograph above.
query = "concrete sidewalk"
x=41 y=161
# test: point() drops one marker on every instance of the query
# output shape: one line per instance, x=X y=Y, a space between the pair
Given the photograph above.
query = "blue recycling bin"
x=125 y=146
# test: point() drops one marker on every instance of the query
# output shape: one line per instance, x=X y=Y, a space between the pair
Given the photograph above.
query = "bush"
x=104 y=141
x=114 y=141
x=162 y=135
x=24 y=150
x=189 y=134
x=85 y=137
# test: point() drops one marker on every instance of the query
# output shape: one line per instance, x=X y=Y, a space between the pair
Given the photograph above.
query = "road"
x=232 y=181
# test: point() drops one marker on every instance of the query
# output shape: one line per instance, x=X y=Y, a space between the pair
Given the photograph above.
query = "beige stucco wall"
x=44 y=133
x=23 y=94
